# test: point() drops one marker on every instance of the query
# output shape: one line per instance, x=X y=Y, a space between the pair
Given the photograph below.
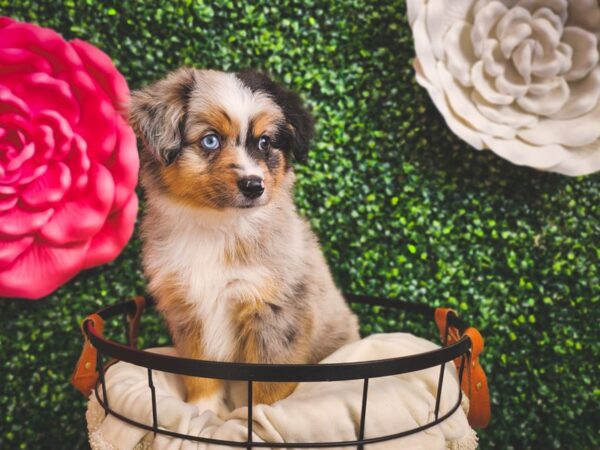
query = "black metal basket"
x=284 y=373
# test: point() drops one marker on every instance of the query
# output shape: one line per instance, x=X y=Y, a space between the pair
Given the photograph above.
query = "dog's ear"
x=158 y=114
x=299 y=120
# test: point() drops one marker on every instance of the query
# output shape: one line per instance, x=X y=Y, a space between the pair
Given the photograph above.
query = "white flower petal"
x=455 y=123
x=584 y=96
x=517 y=34
x=564 y=53
x=546 y=104
x=512 y=29
x=425 y=57
x=542 y=87
x=460 y=102
x=459 y=53
x=555 y=57
x=441 y=14
x=484 y=23
x=480 y=4
x=585 y=14
x=558 y=6
x=511 y=115
x=485 y=86
x=511 y=83
x=524 y=154
x=493 y=61
x=545 y=33
x=521 y=58
x=551 y=17
x=585 y=52
x=412 y=10
x=547 y=67
x=575 y=132
x=581 y=161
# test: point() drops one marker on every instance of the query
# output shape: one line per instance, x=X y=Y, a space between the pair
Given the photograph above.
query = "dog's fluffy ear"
x=297 y=116
x=158 y=114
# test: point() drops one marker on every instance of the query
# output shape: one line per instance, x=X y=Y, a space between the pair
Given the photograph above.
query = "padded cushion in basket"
x=322 y=411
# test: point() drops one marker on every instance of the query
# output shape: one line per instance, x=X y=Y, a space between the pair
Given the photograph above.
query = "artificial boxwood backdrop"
x=403 y=208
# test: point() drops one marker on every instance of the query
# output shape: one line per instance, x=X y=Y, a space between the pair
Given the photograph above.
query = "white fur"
x=249 y=166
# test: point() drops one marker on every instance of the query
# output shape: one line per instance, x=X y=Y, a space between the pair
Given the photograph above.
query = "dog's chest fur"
x=218 y=265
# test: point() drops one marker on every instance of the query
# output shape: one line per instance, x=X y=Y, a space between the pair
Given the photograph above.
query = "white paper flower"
x=518 y=77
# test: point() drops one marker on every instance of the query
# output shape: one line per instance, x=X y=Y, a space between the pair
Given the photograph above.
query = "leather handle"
x=85 y=374
x=133 y=320
x=474 y=382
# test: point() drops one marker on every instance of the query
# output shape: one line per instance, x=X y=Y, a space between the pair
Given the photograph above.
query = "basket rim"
x=284 y=372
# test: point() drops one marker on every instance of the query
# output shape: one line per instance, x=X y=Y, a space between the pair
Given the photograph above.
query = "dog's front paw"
x=215 y=404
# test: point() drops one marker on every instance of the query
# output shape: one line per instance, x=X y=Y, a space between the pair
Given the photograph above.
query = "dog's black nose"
x=252 y=186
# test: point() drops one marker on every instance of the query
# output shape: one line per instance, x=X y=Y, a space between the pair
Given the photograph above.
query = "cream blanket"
x=324 y=411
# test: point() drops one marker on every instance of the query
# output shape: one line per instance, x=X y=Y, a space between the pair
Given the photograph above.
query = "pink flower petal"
x=30 y=173
x=10 y=103
x=17 y=159
x=49 y=188
x=42 y=41
x=102 y=69
x=6 y=21
x=79 y=164
x=18 y=222
x=81 y=218
x=7 y=190
x=43 y=92
x=97 y=125
x=9 y=177
x=41 y=269
x=110 y=240
x=21 y=60
x=10 y=250
x=61 y=131
x=14 y=121
x=8 y=202
x=43 y=138
x=124 y=163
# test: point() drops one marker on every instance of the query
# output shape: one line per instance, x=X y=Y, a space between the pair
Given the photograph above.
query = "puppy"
x=237 y=274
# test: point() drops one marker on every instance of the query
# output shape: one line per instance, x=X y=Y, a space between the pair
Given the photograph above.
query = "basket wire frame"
x=263 y=372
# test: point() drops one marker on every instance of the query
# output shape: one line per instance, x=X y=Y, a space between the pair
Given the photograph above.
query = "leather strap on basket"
x=85 y=374
x=474 y=382
x=134 y=320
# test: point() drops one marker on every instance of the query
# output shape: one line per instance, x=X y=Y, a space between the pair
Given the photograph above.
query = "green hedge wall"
x=403 y=208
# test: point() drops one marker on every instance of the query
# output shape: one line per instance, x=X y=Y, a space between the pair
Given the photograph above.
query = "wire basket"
x=458 y=350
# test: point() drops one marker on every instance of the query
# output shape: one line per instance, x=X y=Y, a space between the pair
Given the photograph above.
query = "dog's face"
x=219 y=140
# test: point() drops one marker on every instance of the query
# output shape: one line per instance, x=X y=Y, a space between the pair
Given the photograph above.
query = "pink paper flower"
x=68 y=160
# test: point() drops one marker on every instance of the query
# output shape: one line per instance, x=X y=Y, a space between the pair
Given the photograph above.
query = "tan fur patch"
x=190 y=346
x=265 y=123
x=193 y=181
x=214 y=119
x=268 y=393
x=238 y=252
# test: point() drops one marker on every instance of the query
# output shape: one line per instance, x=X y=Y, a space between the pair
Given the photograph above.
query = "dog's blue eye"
x=210 y=142
x=263 y=143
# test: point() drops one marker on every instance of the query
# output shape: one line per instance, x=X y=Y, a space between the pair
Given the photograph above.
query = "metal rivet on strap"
x=478 y=385
x=88 y=365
